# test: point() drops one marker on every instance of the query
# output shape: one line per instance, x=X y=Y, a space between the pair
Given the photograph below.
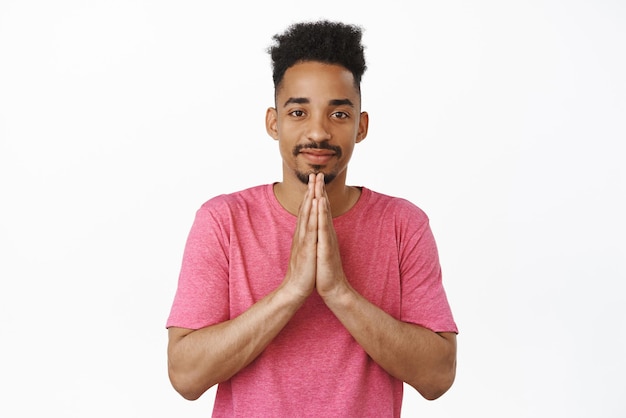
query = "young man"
x=309 y=297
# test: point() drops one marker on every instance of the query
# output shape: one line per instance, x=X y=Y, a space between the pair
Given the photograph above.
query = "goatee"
x=328 y=177
x=304 y=177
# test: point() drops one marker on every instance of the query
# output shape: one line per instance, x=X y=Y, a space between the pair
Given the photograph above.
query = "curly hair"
x=322 y=41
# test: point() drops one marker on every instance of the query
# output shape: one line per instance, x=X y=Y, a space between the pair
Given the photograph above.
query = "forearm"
x=199 y=359
x=424 y=359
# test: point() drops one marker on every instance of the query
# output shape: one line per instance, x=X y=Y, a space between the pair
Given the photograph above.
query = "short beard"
x=304 y=177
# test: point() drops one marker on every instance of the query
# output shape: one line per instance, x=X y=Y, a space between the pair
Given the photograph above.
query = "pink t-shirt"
x=237 y=252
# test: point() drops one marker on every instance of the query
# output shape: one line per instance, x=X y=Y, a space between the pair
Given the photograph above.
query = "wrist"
x=340 y=296
x=291 y=294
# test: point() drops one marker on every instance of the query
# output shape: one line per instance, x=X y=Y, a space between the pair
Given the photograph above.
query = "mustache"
x=318 y=145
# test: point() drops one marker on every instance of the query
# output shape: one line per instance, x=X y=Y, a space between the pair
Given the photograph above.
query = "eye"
x=297 y=113
x=340 y=115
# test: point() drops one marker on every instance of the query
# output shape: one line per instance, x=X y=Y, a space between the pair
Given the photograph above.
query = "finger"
x=324 y=220
x=326 y=229
x=319 y=185
x=305 y=209
x=313 y=222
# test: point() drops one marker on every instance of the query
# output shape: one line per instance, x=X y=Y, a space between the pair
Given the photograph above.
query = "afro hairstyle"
x=322 y=41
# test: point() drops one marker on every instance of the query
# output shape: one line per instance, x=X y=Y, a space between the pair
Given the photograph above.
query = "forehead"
x=312 y=79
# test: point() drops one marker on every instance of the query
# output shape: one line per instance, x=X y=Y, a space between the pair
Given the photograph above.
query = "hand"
x=302 y=261
x=330 y=277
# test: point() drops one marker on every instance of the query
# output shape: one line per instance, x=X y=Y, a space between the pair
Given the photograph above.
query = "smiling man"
x=310 y=297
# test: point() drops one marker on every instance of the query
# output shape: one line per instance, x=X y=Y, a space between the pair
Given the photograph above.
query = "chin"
x=304 y=177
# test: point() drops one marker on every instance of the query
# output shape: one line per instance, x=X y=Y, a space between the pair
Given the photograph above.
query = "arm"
x=422 y=358
x=198 y=359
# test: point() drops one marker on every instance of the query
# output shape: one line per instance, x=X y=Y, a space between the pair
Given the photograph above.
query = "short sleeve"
x=424 y=300
x=201 y=298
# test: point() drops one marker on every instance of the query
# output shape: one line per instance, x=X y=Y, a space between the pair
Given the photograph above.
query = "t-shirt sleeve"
x=201 y=298
x=424 y=300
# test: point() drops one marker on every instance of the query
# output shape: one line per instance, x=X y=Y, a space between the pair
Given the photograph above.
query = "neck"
x=290 y=193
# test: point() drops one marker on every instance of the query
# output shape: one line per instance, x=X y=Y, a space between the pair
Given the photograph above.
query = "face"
x=317 y=121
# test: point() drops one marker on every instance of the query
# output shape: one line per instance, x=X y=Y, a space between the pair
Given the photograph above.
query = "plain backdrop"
x=503 y=120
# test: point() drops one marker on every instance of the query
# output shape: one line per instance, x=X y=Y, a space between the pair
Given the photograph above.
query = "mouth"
x=317 y=156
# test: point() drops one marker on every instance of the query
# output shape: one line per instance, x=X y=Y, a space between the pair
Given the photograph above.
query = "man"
x=309 y=297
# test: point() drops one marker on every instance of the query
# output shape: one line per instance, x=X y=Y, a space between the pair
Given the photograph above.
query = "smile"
x=317 y=156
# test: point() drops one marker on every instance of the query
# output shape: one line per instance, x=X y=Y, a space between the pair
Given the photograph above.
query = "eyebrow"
x=304 y=100
x=341 y=102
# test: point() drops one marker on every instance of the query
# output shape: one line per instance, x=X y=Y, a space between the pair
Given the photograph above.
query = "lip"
x=316 y=156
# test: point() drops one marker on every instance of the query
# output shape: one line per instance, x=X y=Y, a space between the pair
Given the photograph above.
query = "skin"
x=317 y=105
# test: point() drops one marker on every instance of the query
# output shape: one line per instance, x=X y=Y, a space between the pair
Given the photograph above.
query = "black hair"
x=322 y=41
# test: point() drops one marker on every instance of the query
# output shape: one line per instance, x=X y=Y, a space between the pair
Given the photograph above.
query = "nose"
x=317 y=129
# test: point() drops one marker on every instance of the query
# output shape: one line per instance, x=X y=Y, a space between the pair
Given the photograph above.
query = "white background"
x=504 y=121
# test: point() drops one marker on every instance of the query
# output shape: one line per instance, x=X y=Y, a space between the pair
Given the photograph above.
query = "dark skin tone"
x=316 y=103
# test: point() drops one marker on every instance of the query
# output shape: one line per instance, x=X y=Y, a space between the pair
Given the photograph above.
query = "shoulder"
x=392 y=206
x=225 y=208
x=237 y=200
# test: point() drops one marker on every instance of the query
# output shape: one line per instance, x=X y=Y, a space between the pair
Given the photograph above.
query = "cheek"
x=286 y=149
x=347 y=154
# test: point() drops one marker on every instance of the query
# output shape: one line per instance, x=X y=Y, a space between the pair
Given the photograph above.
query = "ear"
x=364 y=121
x=271 y=122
